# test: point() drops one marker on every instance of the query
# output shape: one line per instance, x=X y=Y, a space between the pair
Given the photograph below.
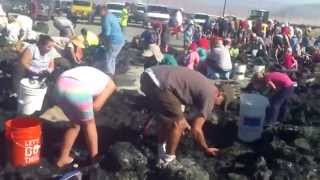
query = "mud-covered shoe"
x=165 y=160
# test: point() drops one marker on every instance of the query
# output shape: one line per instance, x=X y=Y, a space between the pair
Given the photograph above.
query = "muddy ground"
x=286 y=152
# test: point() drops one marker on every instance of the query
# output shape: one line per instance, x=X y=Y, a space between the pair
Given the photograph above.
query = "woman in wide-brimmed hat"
x=75 y=50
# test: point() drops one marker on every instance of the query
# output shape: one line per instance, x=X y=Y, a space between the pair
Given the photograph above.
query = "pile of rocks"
x=289 y=151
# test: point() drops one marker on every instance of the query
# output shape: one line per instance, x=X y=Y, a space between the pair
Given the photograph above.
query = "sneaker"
x=162 y=149
x=165 y=160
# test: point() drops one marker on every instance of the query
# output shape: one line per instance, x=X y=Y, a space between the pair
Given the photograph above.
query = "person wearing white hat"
x=188 y=33
x=3 y=18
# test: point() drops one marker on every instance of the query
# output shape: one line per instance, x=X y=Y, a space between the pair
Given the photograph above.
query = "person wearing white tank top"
x=37 y=60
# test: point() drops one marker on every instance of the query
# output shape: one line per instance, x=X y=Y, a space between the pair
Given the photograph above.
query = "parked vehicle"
x=259 y=14
x=116 y=9
x=156 y=13
x=63 y=5
x=137 y=12
x=81 y=9
x=200 y=18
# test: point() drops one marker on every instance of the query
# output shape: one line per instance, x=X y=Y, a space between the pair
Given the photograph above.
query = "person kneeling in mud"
x=81 y=92
x=169 y=87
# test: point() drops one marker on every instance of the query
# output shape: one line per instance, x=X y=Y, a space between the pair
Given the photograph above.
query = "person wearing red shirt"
x=204 y=43
x=282 y=87
x=289 y=62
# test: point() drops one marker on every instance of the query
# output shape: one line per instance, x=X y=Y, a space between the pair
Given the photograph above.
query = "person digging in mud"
x=281 y=87
x=169 y=87
x=79 y=96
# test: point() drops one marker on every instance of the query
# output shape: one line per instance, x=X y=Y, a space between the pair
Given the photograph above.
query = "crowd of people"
x=171 y=79
x=221 y=42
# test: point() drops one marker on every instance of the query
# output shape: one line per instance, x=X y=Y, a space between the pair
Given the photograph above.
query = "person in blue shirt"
x=112 y=38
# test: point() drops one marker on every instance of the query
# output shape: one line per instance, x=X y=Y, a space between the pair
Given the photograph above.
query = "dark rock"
x=127 y=157
x=263 y=174
x=194 y=170
x=288 y=132
x=188 y=169
x=127 y=175
x=285 y=170
x=234 y=176
x=283 y=150
x=302 y=144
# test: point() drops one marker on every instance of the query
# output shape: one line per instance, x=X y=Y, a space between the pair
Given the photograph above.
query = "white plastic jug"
x=259 y=69
x=239 y=71
x=31 y=96
x=254 y=52
x=252 y=116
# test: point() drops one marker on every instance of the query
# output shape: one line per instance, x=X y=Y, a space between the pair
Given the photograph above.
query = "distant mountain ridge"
x=283 y=10
x=306 y=14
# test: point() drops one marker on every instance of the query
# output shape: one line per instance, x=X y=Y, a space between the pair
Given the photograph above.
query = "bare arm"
x=198 y=135
x=26 y=58
x=100 y=100
x=272 y=85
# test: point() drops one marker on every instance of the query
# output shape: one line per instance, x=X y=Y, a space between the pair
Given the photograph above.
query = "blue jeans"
x=278 y=110
x=216 y=73
x=111 y=58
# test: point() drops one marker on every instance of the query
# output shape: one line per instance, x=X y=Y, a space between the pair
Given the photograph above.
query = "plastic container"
x=254 y=52
x=73 y=175
x=31 y=96
x=239 y=71
x=24 y=136
x=252 y=116
x=259 y=68
x=240 y=68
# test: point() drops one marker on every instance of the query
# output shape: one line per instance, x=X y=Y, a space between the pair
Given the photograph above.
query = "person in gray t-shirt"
x=167 y=88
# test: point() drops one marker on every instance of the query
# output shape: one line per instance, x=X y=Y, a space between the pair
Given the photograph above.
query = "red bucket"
x=24 y=137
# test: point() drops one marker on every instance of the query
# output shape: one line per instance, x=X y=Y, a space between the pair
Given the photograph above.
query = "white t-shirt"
x=40 y=62
x=179 y=18
x=250 y=24
x=221 y=56
x=92 y=78
x=2 y=13
x=99 y=2
x=13 y=32
x=25 y=22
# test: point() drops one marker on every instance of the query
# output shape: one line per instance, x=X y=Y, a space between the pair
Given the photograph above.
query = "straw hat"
x=153 y=50
x=78 y=41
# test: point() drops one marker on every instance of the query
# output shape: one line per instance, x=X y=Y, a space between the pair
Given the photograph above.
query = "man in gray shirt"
x=169 y=87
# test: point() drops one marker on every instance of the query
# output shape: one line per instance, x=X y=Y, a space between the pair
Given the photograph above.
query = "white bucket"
x=31 y=96
x=239 y=77
x=254 y=52
x=252 y=116
x=240 y=68
x=259 y=69
x=239 y=71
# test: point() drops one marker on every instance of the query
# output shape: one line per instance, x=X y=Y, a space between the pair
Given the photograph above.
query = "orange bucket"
x=24 y=137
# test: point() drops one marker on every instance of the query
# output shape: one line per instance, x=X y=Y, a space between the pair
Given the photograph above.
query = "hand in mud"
x=212 y=151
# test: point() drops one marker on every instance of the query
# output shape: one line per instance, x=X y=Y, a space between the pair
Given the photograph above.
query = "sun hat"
x=78 y=41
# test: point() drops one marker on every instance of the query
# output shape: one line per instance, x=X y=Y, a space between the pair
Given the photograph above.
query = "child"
x=289 y=62
x=192 y=59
